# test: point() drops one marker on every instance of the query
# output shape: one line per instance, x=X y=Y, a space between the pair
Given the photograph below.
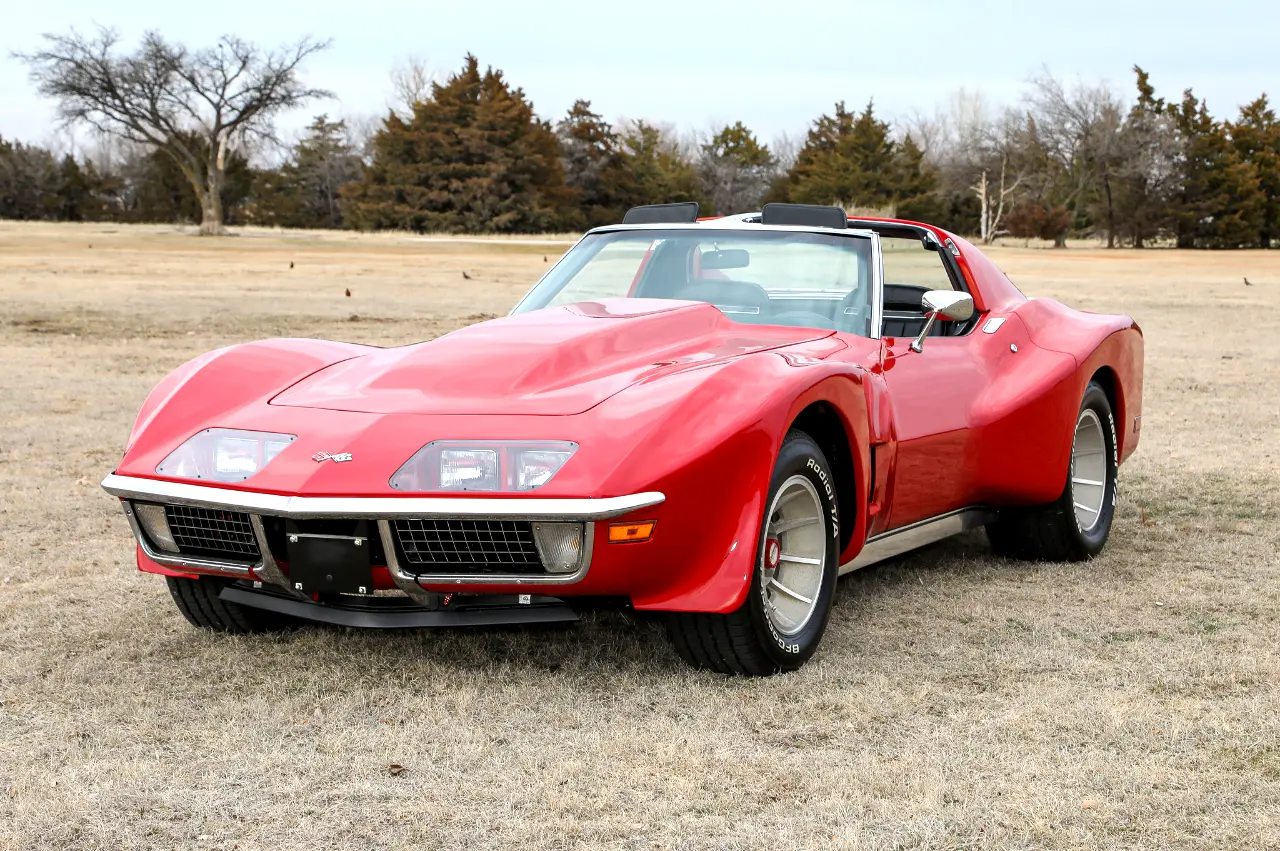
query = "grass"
x=958 y=701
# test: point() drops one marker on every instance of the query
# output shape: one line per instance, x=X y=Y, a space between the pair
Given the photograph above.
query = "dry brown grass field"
x=958 y=700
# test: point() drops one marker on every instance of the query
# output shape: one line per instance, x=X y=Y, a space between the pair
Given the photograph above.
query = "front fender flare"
x=713 y=449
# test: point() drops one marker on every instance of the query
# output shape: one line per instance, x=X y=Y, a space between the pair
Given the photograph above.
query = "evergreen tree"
x=596 y=167
x=34 y=185
x=847 y=159
x=916 y=185
x=305 y=192
x=473 y=158
x=74 y=192
x=1219 y=204
x=662 y=173
x=735 y=169
x=1256 y=138
x=853 y=160
x=1144 y=178
x=28 y=182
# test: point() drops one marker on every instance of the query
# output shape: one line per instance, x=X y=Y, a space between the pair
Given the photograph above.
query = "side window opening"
x=910 y=270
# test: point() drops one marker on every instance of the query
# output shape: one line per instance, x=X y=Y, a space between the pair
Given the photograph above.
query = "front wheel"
x=778 y=627
x=199 y=602
x=1075 y=526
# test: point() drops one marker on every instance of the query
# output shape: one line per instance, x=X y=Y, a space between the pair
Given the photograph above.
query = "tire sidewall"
x=799 y=456
x=1092 y=540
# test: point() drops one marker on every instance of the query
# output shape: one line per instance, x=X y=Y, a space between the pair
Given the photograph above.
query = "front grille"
x=467 y=546
x=212 y=533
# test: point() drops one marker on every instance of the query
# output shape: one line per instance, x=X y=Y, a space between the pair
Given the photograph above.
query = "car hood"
x=555 y=362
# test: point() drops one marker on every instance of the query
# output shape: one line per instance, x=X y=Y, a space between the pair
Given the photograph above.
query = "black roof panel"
x=806 y=215
x=683 y=212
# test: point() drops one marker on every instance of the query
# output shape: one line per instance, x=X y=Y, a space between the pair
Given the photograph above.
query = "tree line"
x=468 y=153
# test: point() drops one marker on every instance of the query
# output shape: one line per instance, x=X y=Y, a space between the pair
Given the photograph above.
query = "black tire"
x=199 y=603
x=1053 y=532
x=745 y=642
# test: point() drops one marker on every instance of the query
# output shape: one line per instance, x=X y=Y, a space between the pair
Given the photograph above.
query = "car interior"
x=668 y=276
x=672 y=273
x=903 y=314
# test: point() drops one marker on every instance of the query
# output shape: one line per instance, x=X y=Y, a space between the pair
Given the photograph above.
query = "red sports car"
x=710 y=419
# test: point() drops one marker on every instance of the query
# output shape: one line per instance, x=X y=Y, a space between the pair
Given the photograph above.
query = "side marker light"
x=621 y=533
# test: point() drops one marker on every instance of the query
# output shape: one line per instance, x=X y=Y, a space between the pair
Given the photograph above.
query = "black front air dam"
x=373 y=616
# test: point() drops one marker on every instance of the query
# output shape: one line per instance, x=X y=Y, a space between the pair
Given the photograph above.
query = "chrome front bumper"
x=382 y=510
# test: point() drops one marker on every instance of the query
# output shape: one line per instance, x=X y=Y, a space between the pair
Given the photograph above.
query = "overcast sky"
x=774 y=65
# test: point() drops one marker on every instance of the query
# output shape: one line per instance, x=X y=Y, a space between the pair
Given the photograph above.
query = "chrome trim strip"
x=877 y=288
x=267 y=570
x=523 y=508
x=898 y=541
x=193 y=564
x=411 y=584
x=404 y=581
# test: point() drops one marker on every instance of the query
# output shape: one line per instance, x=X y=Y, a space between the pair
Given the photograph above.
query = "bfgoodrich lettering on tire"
x=1075 y=526
x=782 y=620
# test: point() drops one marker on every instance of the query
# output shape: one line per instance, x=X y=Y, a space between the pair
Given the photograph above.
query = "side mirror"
x=948 y=304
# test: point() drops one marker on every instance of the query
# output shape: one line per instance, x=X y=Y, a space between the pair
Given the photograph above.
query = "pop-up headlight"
x=483 y=465
x=224 y=454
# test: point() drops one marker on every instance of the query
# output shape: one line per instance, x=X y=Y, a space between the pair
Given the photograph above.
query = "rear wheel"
x=778 y=627
x=200 y=604
x=1075 y=526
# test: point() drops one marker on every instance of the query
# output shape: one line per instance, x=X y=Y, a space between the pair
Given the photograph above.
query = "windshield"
x=809 y=280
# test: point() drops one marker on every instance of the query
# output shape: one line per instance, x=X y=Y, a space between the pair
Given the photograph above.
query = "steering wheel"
x=803 y=319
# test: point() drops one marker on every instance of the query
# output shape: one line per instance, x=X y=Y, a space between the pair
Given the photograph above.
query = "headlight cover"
x=224 y=454
x=483 y=465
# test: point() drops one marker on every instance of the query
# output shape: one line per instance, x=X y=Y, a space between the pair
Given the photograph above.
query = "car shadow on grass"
x=624 y=643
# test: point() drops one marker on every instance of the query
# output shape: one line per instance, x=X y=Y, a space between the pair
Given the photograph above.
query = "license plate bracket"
x=332 y=564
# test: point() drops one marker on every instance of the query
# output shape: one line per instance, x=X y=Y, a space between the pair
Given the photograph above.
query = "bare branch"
x=193 y=105
x=411 y=81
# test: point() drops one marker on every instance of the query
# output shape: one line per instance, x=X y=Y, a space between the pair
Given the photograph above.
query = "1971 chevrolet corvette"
x=710 y=419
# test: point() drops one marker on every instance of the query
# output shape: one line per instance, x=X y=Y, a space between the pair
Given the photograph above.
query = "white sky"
x=773 y=65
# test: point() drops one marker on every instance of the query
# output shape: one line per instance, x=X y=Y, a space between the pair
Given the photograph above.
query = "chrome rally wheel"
x=1076 y=525
x=793 y=576
x=793 y=558
x=1089 y=470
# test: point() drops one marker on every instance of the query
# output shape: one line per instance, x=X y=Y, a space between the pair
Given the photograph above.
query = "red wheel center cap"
x=772 y=553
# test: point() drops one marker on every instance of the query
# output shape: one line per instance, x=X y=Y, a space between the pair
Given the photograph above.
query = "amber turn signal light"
x=621 y=533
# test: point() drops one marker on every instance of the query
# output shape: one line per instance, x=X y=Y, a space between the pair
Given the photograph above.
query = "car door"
x=931 y=391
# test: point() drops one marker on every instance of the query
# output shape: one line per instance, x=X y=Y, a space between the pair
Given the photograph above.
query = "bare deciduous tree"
x=411 y=80
x=1080 y=129
x=195 y=106
x=976 y=151
x=993 y=198
x=785 y=147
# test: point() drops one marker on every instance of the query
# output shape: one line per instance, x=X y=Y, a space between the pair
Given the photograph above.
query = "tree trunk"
x=211 y=214
x=1111 y=211
x=211 y=199
x=984 y=210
